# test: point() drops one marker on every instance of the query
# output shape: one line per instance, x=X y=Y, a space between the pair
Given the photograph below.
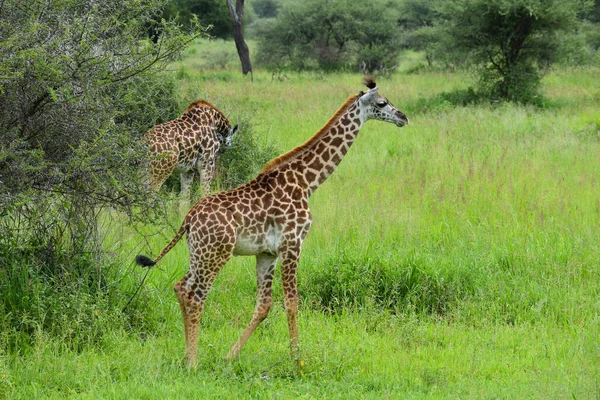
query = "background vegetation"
x=330 y=36
x=456 y=257
x=509 y=44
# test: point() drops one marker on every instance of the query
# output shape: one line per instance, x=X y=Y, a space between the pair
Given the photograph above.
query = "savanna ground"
x=454 y=258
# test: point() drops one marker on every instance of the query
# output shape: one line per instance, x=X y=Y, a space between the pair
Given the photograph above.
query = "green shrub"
x=394 y=283
x=510 y=42
x=76 y=308
x=81 y=82
x=245 y=158
x=212 y=13
x=330 y=36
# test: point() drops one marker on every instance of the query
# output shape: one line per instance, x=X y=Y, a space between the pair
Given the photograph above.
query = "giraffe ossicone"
x=268 y=218
x=190 y=144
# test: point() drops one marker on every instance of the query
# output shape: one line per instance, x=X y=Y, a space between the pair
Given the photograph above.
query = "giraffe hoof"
x=185 y=362
x=231 y=357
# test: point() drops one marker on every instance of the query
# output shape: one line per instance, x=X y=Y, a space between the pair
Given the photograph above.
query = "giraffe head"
x=374 y=106
x=226 y=137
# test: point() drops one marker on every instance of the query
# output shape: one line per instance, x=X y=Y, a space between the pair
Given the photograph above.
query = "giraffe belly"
x=184 y=167
x=247 y=244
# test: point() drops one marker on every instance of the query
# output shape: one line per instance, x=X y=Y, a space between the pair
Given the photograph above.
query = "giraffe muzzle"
x=402 y=119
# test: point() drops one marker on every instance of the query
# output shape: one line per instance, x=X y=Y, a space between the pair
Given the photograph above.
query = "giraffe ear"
x=234 y=129
x=370 y=96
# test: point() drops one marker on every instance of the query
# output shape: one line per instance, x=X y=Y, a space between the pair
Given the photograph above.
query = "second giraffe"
x=267 y=218
x=190 y=143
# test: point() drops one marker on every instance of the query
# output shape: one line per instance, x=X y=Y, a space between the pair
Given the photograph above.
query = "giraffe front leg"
x=289 y=266
x=185 y=179
x=265 y=269
x=207 y=173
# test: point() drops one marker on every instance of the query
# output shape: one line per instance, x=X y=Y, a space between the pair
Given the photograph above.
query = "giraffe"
x=268 y=218
x=191 y=143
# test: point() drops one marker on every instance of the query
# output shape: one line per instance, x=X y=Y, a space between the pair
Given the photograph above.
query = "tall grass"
x=456 y=257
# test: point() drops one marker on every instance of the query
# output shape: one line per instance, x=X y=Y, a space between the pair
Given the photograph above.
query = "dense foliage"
x=265 y=8
x=79 y=83
x=241 y=162
x=511 y=42
x=211 y=13
x=330 y=35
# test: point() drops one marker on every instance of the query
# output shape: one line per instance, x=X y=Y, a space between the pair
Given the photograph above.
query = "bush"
x=511 y=43
x=75 y=308
x=266 y=8
x=213 y=13
x=405 y=284
x=245 y=158
x=80 y=84
x=333 y=35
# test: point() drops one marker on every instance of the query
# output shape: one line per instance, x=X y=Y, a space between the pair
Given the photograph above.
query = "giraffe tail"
x=148 y=262
x=144 y=261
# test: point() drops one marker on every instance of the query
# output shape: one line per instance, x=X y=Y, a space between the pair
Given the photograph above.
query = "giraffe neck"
x=316 y=159
x=321 y=159
x=219 y=121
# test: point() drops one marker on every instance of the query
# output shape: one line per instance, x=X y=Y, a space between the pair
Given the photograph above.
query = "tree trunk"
x=237 y=21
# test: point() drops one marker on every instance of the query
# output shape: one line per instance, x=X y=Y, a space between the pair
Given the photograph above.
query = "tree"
x=237 y=21
x=213 y=13
x=79 y=84
x=417 y=19
x=509 y=41
x=330 y=35
x=594 y=13
x=591 y=29
x=266 y=8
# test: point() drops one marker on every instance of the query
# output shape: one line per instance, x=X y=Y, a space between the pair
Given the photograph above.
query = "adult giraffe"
x=267 y=218
x=190 y=143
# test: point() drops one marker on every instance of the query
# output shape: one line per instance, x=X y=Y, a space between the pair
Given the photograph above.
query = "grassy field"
x=454 y=258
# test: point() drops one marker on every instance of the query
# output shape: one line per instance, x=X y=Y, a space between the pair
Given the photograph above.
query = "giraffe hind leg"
x=206 y=174
x=194 y=287
x=161 y=169
x=186 y=179
x=265 y=269
x=191 y=310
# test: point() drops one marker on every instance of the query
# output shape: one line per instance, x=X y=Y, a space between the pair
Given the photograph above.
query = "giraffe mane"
x=299 y=149
x=202 y=103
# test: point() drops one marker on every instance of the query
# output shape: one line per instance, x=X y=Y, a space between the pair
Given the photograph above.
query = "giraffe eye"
x=381 y=103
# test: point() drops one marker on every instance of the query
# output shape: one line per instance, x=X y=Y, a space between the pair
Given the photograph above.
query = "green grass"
x=358 y=355
x=454 y=258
